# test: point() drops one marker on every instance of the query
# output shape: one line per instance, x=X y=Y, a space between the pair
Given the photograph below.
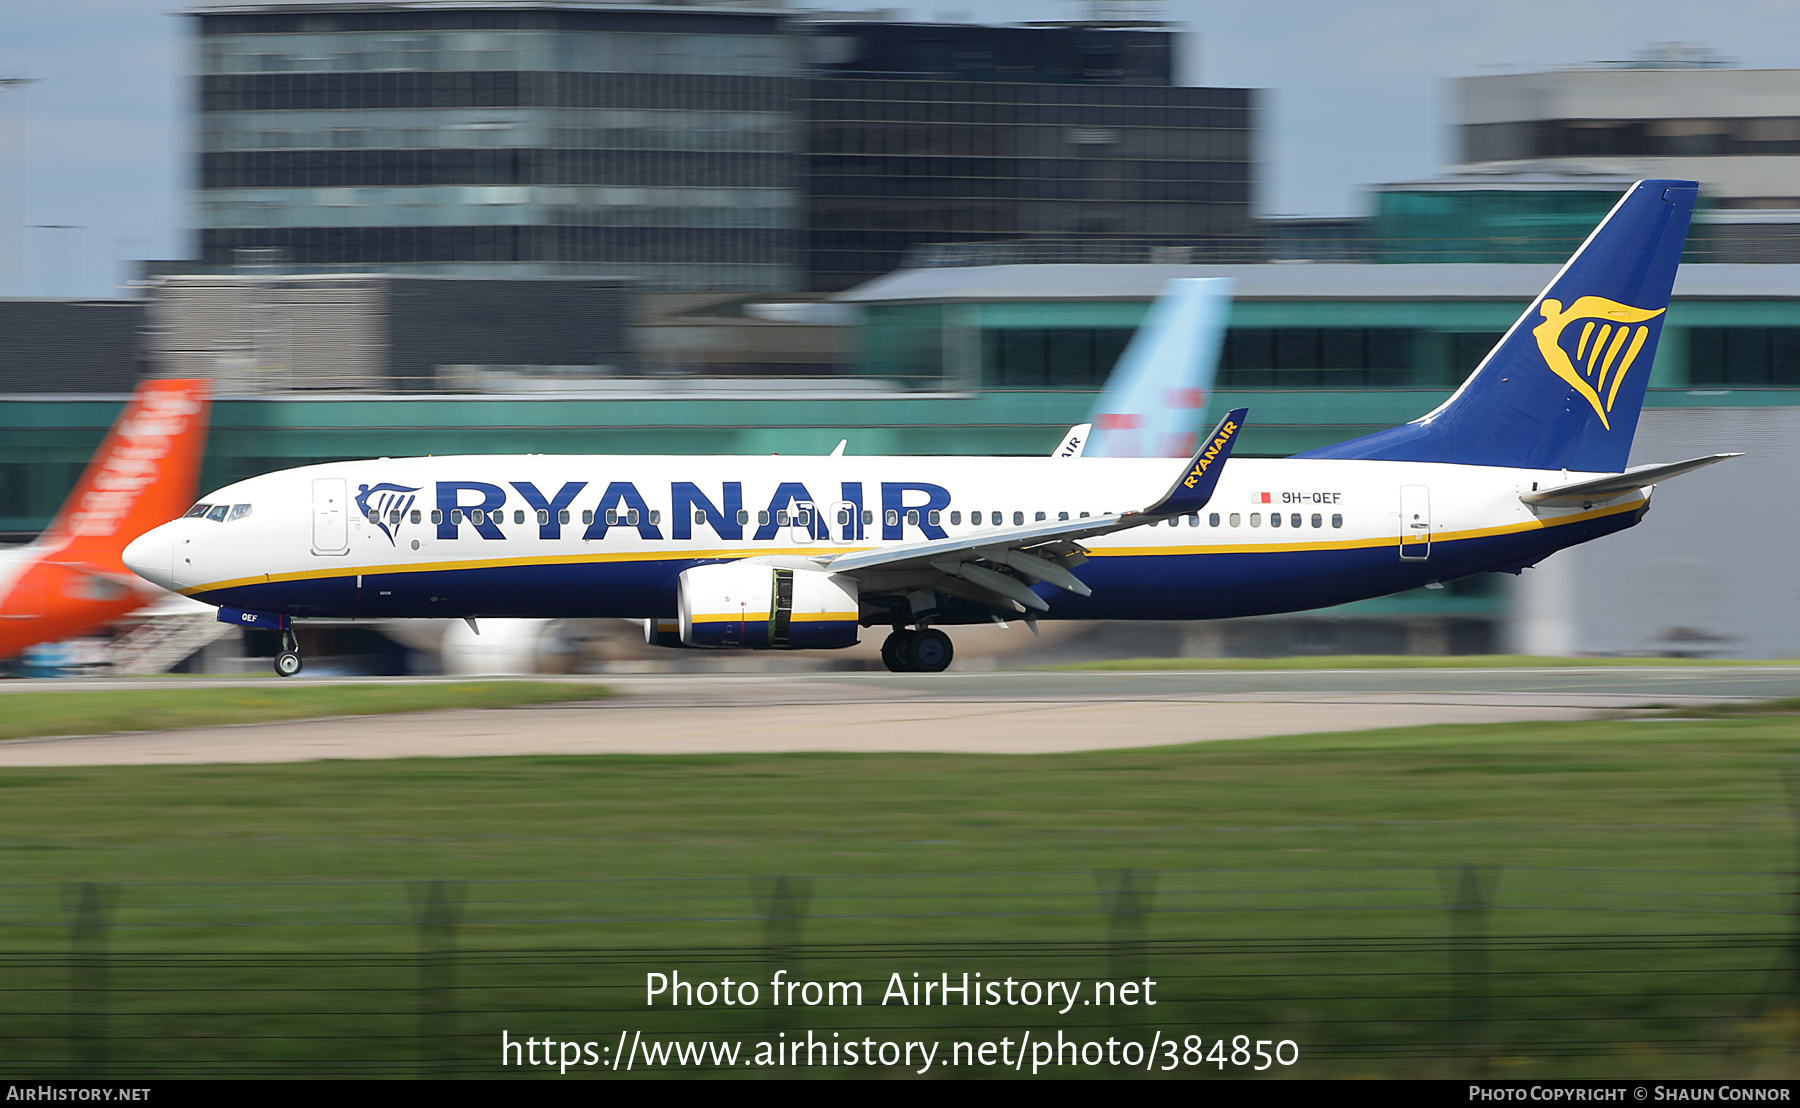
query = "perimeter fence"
x=1395 y=971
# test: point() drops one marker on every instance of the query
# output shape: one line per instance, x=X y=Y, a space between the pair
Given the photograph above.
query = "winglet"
x=1195 y=486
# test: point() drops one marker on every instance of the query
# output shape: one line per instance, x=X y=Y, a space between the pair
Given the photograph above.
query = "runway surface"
x=989 y=713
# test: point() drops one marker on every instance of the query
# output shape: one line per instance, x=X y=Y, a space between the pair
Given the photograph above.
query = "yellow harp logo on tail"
x=1610 y=327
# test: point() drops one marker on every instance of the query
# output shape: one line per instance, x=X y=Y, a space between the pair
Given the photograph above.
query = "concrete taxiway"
x=989 y=713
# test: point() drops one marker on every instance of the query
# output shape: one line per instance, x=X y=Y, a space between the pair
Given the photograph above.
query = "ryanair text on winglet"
x=1212 y=453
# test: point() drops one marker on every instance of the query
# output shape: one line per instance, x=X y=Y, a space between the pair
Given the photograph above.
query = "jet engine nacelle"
x=767 y=607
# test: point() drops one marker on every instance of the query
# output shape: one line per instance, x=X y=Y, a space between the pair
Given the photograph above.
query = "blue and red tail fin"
x=1564 y=387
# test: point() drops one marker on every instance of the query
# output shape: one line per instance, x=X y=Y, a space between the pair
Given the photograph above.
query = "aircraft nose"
x=151 y=556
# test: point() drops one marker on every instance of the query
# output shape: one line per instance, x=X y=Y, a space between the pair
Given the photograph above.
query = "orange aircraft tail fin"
x=143 y=475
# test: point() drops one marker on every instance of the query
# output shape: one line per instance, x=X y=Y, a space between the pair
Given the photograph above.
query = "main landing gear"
x=287 y=663
x=927 y=651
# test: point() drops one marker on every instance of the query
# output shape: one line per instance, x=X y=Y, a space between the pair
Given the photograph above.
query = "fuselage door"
x=801 y=529
x=1415 y=522
x=330 y=517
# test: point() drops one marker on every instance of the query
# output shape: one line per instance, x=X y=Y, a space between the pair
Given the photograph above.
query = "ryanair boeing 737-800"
x=781 y=552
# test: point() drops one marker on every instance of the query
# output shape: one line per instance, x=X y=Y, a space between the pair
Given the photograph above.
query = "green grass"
x=267 y=916
x=90 y=711
x=1405 y=661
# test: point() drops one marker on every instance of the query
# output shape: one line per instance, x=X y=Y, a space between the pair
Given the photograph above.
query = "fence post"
x=1792 y=777
x=90 y=907
x=1126 y=895
x=1474 y=895
x=782 y=901
x=437 y=909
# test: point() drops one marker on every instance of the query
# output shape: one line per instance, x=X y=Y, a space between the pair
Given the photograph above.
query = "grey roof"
x=1291 y=281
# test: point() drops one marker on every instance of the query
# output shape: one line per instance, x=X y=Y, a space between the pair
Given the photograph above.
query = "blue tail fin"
x=1156 y=397
x=1564 y=387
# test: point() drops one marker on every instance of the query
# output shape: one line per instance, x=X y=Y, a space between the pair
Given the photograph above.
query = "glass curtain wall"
x=655 y=145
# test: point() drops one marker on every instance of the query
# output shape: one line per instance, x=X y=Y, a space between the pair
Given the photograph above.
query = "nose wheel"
x=928 y=651
x=287 y=663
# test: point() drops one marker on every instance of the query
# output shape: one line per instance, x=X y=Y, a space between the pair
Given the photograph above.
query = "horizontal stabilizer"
x=1600 y=488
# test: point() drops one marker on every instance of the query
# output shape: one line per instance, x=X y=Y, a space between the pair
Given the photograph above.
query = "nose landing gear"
x=287 y=663
x=926 y=651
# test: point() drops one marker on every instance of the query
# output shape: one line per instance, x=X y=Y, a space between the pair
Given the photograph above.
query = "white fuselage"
x=607 y=535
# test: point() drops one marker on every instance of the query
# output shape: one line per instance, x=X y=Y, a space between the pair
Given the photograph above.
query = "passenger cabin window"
x=803 y=519
x=218 y=513
x=519 y=516
x=1039 y=518
x=198 y=511
x=1236 y=519
x=1337 y=520
x=544 y=517
x=456 y=516
x=393 y=517
x=1318 y=520
x=477 y=516
x=868 y=517
x=562 y=516
x=1213 y=520
x=1018 y=519
x=239 y=511
x=1084 y=515
x=1294 y=519
x=931 y=518
x=1194 y=520
x=912 y=517
x=612 y=517
x=437 y=516
x=1274 y=519
x=1061 y=516
x=781 y=519
x=655 y=515
x=762 y=518
x=743 y=517
x=955 y=518
x=587 y=516
x=631 y=517
x=892 y=518
x=415 y=515
x=1256 y=519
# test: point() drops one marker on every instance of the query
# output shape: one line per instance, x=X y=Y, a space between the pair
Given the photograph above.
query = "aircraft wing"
x=977 y=566
x=1599 y=488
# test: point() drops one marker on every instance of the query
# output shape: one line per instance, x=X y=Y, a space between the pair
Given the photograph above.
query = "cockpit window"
x=239 y=511
x=197 y=511
x=217 y=515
